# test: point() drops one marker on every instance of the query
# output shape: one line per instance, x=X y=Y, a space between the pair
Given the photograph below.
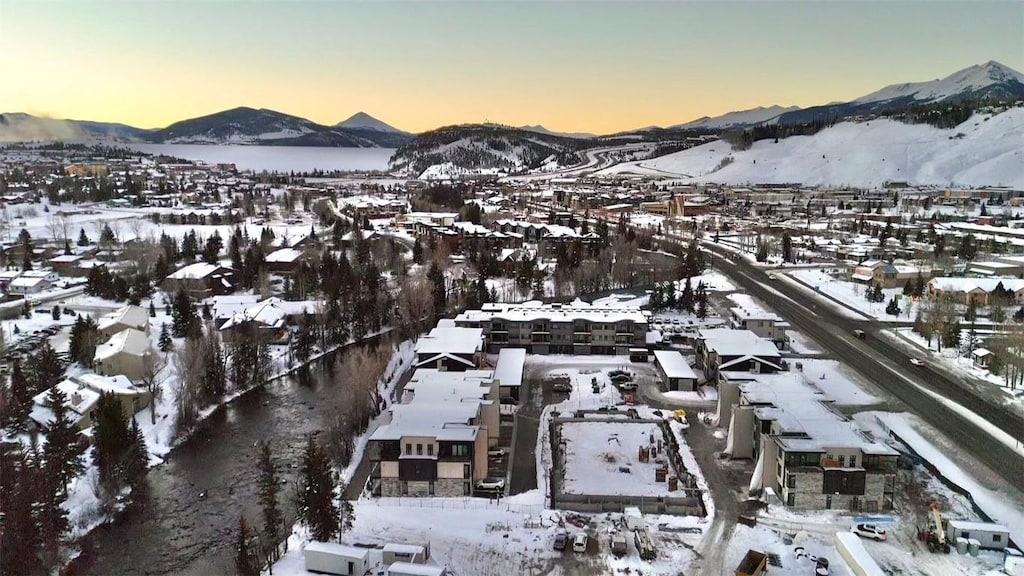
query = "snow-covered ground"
x=830 y=289
x=602 y=458
x=834 y=379
x=984 y=150
x=800 y=344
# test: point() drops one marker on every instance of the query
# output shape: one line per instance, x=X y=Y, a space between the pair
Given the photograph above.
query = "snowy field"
x=603 y=458
x=984 y=150
x=827 y=288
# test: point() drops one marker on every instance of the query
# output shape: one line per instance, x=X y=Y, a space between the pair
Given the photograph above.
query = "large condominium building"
x=576 y=328
x=812 y=456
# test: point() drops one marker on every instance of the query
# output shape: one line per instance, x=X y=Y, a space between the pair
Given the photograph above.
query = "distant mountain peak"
x=542 y=130
x=977 y=78
x=366 y=122
x=749 y=117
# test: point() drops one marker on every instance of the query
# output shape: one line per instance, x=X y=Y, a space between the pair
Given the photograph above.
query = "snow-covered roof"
x=674 y=364
x=451 y=340
x=727 y=342
x=228 y=305
x=508 y=370
x=195 y=271
x=80 y=401
x=978 y=526
x=431 y=386
x=448 y=421
x=535 y=310
x=271 y=312
x=411 y=569
x=284 y=255
x=852 y=545
x=338 y=549
x=956 y=284
x=23 y=282
x=128 y=341
x=131 y=316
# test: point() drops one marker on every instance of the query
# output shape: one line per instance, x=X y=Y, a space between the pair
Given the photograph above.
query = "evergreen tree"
x=893 y=308
x=436 y=278
x=83 y=240
x=417 y=252
x=246 y=560
x=152 y=309
x=184 y=321
x=908 y=288
x=303 y=340
x=82 y=344
x=44 y=368
x=55 y=313
x=940 y=245
x=20 y=397
x=136 y=457
x=111 y=439
x=165 y=342
x=787 y=246
x=269 y=486
x=686 y=301
x=702 y=301
x=315 y=498
x=20 y=538
x=972 y=311
x=26 y=249
x=62 y=450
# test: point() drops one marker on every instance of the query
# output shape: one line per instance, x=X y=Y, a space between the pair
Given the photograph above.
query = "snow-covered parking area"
x=603 y=458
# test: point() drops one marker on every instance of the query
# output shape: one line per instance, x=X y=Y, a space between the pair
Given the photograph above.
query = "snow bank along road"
x=597 y=159
x=890 y=369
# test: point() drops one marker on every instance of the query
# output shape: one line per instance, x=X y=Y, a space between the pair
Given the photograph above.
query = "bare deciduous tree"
x=152 y=380
x=415 y=301
x=189 y=362
x=59 y=227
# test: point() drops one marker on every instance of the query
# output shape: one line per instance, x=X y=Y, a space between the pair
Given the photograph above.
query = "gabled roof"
x=198 y=270
x=451 y=340
x=131 y=316
x=127 y=341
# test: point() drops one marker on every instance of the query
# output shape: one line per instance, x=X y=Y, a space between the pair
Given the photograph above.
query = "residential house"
x=67 y=264
x=284 y=261
x=128 y=352
x=270 y=319
x=978 y=290
x=133 y=317
x=575 y=328
x=83 y=392
x=429 y=386
x=723 y=349
x=450 y=348
x=873 y=272
x=201 y=280
x=675 y=372
x=763 y=323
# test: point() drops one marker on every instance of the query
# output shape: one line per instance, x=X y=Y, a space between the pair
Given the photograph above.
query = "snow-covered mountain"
x=542 y=130
x=983 y=151
x=757 y=115
x=967 y=82
x=483 y=148
x=365 y=121
x=251 y=126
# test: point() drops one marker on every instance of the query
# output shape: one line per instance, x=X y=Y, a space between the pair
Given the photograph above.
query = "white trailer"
x=410 y=569
x=331 y=558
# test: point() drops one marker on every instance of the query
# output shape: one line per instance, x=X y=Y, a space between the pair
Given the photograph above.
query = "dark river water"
x=187 y=524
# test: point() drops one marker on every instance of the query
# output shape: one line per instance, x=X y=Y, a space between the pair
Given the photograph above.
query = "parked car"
x=917 y=362
x=860 y=334
x=491 y=485
x=497 y=453
x=630 y=385
x=561 y=540
x=561 y=386
x=579 y=542
x=869 y=531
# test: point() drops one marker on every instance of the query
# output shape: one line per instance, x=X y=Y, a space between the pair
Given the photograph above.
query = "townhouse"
x=575 y=328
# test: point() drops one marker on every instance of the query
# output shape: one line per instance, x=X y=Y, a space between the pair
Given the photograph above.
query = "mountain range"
x=236 y=126
x=990 y=81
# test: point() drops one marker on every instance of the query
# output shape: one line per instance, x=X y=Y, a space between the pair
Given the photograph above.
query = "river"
x=188 y=522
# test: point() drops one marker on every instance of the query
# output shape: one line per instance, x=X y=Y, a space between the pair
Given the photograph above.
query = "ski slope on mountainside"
x=740 y=118
x=985 y=150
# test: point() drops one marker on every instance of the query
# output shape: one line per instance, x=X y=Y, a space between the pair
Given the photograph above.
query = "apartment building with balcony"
x=436 y=442
x=808 y=453
x=575 y=328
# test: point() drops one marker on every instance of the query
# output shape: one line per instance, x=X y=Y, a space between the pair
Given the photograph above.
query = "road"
x=597 y=159
x=889 y=368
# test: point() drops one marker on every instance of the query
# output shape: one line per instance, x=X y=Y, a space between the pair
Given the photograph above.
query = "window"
x=790 y=481
x=430 y=449
x=419 y=449
x=965 y=534
x=997 y=537
x=408 y=449
x=460 y=450
x=842 y=461
x=466 y=472
x=853 y=461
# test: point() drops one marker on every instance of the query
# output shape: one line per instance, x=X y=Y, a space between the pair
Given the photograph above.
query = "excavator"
x=935 y=537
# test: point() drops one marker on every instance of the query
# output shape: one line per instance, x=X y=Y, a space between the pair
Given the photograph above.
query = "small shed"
x=409 y=569
x=981 y=357
x=638 y=354
x=409 y=553
x=754 y=563
x=674 y=370
x=992 y=536
x=331 y=558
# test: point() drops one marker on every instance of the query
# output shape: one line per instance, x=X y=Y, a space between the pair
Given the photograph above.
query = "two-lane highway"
x=889 y=369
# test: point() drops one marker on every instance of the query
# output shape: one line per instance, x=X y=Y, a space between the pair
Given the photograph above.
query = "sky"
x=598 y=67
